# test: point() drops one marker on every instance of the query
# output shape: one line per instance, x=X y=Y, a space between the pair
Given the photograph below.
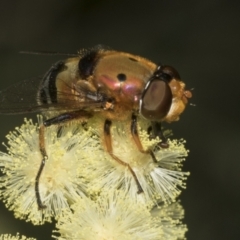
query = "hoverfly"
x=101 y=82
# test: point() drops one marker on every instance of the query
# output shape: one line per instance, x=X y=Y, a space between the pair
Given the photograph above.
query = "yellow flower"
x=17 y=237
x=171 y=220
x=160 y=181
x=60 y=183
x=79 y=171
x=116 y=216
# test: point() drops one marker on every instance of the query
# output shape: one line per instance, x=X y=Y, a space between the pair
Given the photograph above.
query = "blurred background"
x=199 y=38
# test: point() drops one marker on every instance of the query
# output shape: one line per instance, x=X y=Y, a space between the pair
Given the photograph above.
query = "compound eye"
x=156 y=100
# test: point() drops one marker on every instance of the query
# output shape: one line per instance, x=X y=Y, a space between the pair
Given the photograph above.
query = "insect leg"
x=67 y=117
x=44 y=158
x=157 y=132
x=62 y=118
x=137 y=140
x=108 y=141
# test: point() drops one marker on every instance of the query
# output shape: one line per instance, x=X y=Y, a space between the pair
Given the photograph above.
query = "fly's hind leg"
x=108 y=141
x=60 y=119
x=137 y=140
x=44 y=158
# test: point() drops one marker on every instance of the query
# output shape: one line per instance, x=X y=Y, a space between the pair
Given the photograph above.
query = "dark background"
x=199 y=38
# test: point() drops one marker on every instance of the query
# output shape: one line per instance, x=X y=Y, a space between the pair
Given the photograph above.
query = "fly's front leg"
x=137 y=140
x=63 y=118
x=156 y=129
x=108 y=142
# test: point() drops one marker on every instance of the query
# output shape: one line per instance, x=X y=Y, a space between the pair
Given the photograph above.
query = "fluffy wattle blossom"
x=16 y=237
x=160 y=181
x=171 y=216
x=91 y=195
x=114 y=216
x=60 y=183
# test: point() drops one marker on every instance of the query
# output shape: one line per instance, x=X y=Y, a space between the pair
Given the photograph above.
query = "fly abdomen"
x=47 y=92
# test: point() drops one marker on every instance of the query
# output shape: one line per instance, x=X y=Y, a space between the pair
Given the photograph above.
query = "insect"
x=101 y=82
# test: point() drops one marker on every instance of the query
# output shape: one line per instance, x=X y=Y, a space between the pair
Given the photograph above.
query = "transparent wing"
x=22 y=98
